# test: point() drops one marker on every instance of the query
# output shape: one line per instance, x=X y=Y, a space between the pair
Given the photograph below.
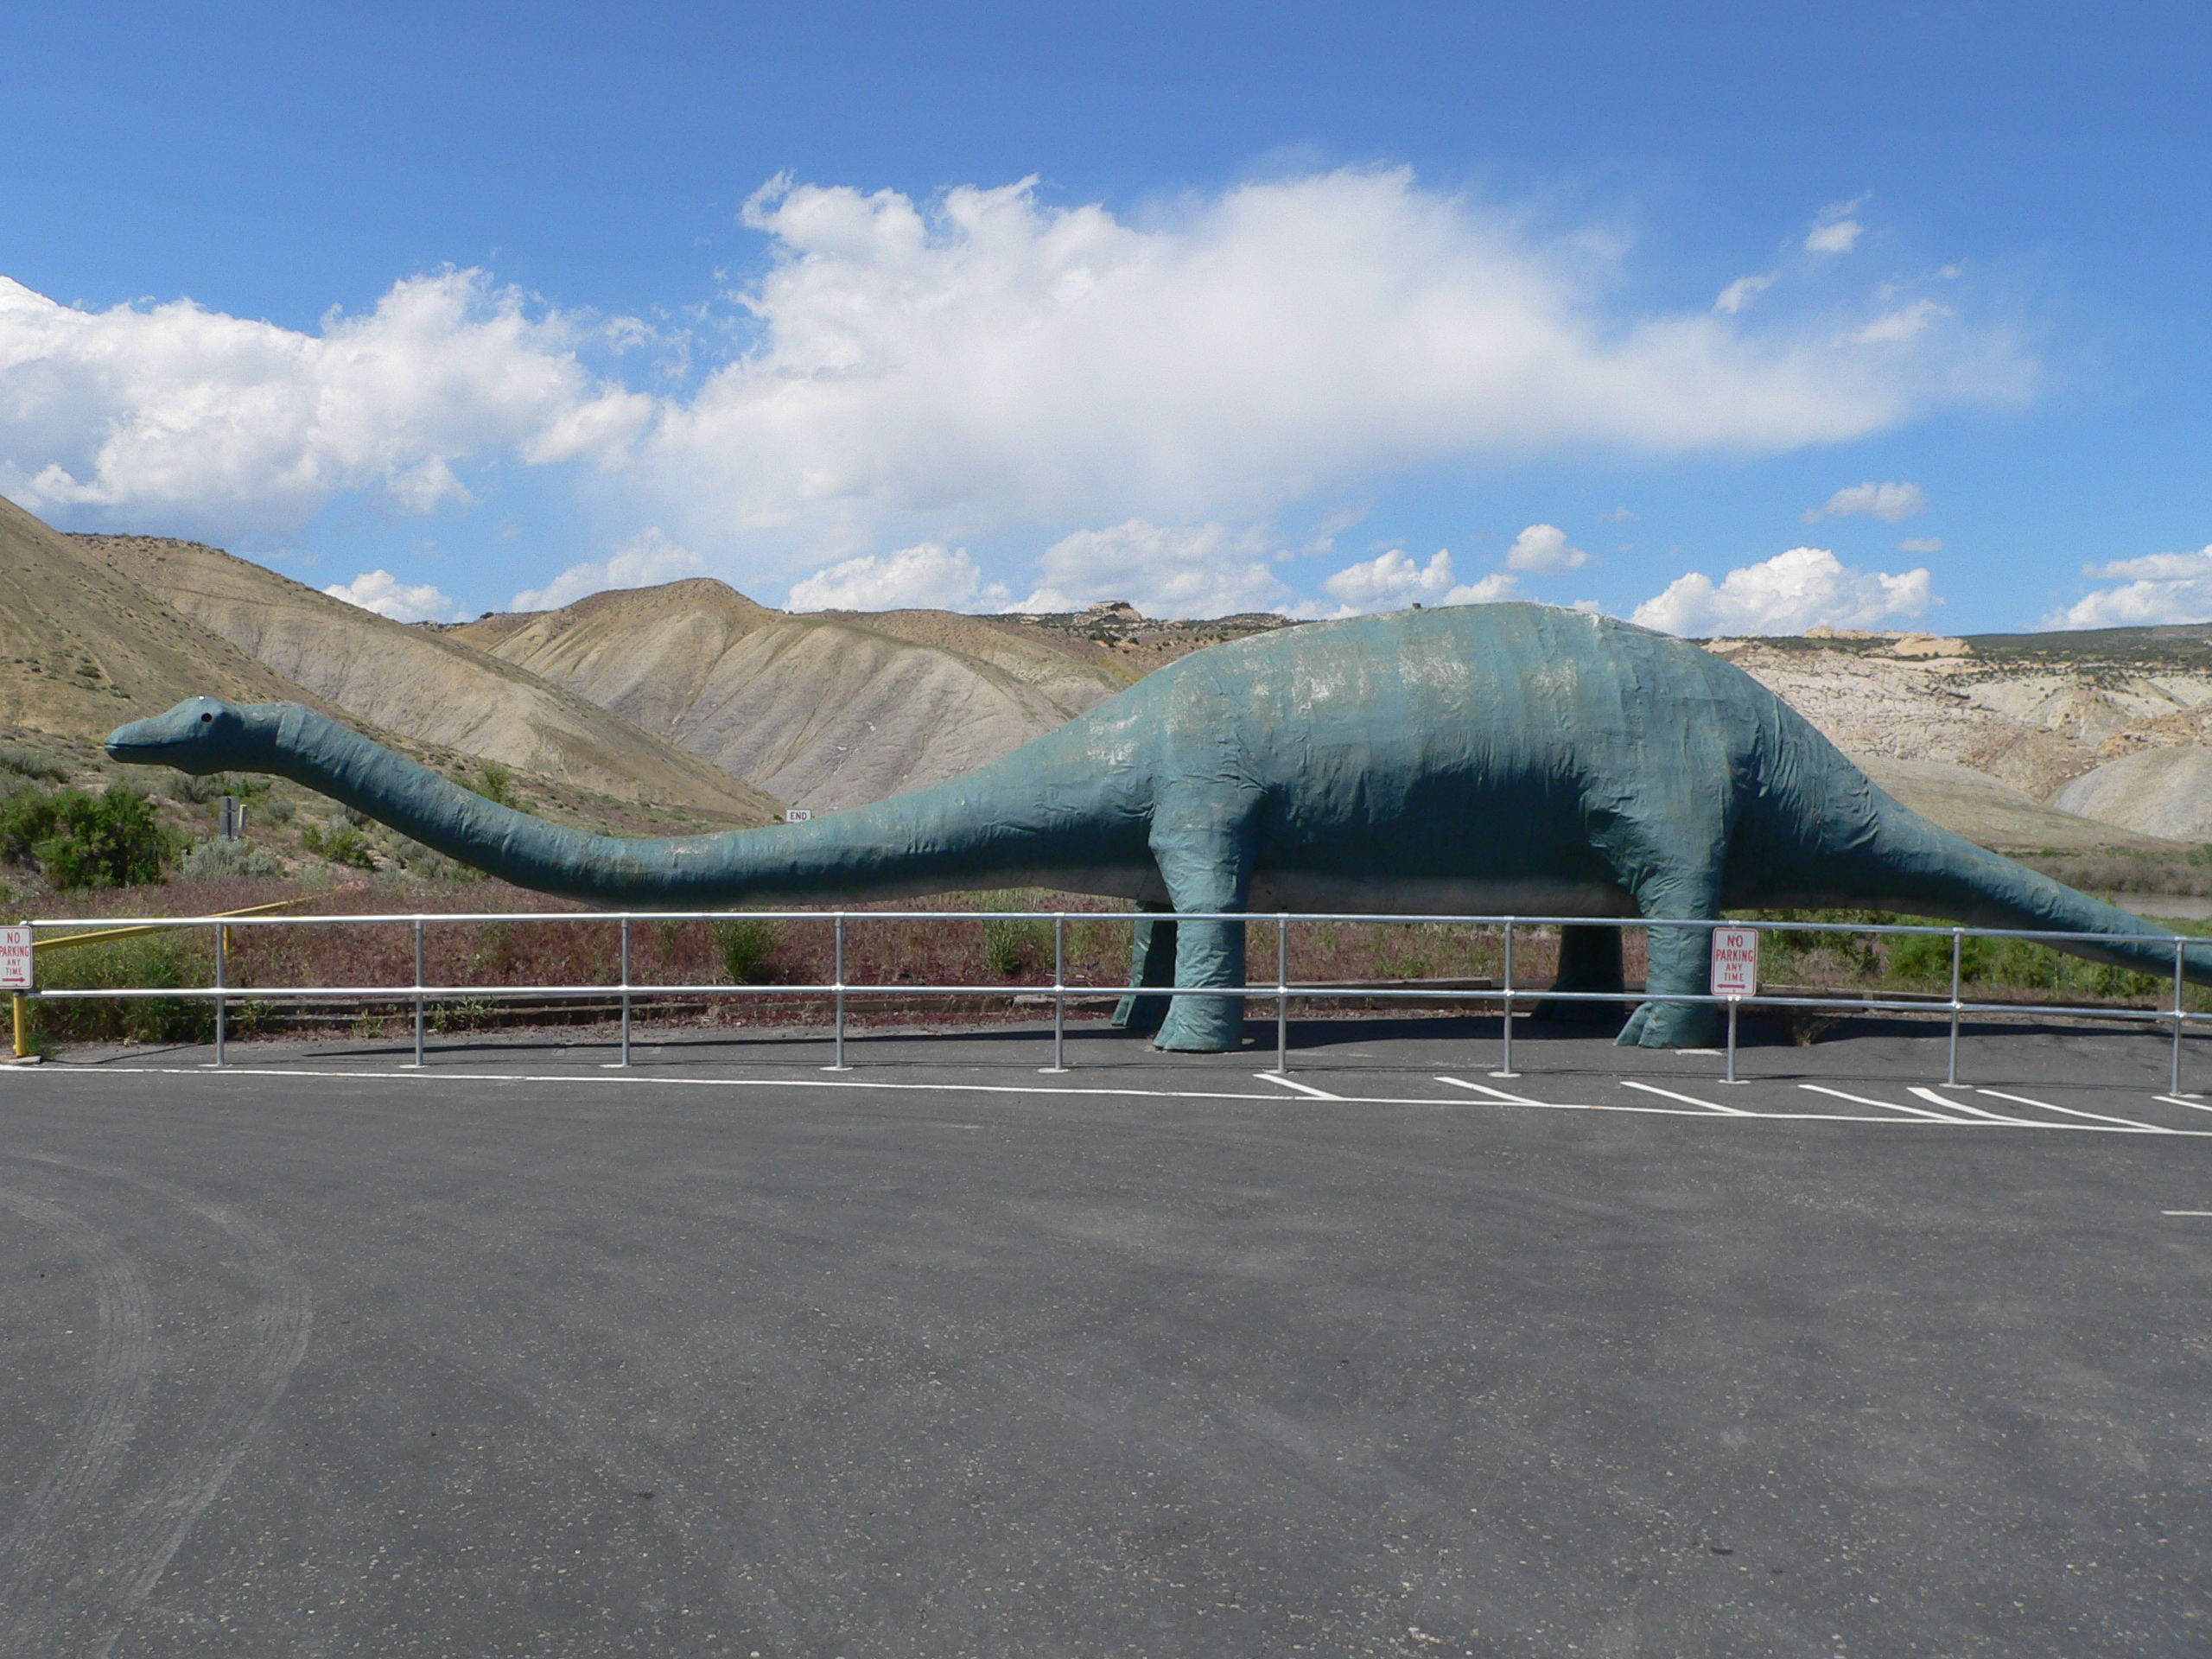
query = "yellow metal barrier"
x=22 y=1012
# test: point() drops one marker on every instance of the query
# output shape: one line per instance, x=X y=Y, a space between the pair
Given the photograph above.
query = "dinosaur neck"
x=972 y=831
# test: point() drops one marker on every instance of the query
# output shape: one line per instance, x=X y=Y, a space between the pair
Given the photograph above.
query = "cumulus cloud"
x=216 y=421
x=2157 y=587
x=1807 y=587
x=384 y=593
x=926 y=577
x=1163 y=569
x=1888 y=502
x=1543 y=547
x=647 y=558
x=980 y=358
x=1391 y=578
x=1834 y=230
x=989 y=354
x=1741 y=292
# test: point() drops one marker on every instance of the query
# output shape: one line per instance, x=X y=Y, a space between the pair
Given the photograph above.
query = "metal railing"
x=1506 y=997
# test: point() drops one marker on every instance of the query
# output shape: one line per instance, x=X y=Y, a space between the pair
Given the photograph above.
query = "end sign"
x=15 y=958
x=1735 y=961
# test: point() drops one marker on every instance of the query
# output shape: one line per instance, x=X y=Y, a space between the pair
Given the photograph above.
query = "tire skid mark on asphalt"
x=33 y=1570
x=1703 y=1110
x=155 y=1521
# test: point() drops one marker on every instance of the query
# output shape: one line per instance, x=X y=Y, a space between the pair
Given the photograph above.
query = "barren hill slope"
x=827 y=712
x=421 y=682
x=2045 y=712
x=87 y=648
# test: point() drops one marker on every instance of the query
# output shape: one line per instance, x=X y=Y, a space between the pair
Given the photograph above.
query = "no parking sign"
x=15 y=958
x=1735 y=961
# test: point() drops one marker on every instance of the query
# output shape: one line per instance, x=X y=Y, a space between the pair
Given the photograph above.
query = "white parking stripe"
x=2176 y=1100
x=1863 y=1100
x=1687 y=1100
x=2095 y=1117
x=1994 y=1117
x=417 y=1079
x=2185 y=1212
x=1495 y=1094
x=1293 y=1082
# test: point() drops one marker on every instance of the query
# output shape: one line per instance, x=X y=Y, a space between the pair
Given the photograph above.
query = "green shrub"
x=217 y=860
x=156 y=962
x=1013 y=946
x=747 y=947
x=495 y=783
x=31 y=763
x=83 y=839
x=339 y=842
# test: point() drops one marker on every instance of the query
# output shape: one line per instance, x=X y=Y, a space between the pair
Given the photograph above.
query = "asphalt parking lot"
x=725 y=1353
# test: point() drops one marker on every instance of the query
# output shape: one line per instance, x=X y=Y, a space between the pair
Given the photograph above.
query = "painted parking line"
x=2185 y=1212
x=2176 y=1100
x=1687 y=1100
x=2094 y=1117
x=1307 y=1088
x=1920 y=1112
x=1499 y=1094
x=1935 y=1099
x=1689 y=1105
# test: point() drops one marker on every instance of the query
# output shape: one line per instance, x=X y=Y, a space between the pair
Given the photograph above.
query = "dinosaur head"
x=199 y=735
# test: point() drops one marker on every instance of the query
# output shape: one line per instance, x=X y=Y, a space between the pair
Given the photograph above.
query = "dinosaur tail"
x=1911 y=865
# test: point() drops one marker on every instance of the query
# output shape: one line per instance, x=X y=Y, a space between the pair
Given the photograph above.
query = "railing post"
x=1505 y=1059
x=418 y=993
x=2176 y=1087
x=1282 y=992
x=839 y=982
x=1951 y=1069
x=626 y=990
x=1059 y=993
x=222 y=979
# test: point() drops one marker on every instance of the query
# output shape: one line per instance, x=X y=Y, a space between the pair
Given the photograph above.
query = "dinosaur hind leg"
x=1152 y=962
x=1589 y=960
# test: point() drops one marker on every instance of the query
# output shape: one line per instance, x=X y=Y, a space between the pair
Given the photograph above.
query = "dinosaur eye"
x=204 y=719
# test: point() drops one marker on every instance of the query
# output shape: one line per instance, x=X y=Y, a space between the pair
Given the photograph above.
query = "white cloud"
x=1920 y=545
x=927 y=577
x=1834 y=229
x=384 y=593
x=2166 y=588
x=1805 y=587
x=1391 y=579
x=645 y=561
x=987 y=355
x=217 y=421
x=1492 y=589
x=1896 y=328
x=1888 y=502
x=1543 y=547
x=1741 y=292
x=981 y=359
x=1165 y=571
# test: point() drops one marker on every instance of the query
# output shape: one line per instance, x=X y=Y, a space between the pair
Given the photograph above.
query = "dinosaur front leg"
x=1207 y=861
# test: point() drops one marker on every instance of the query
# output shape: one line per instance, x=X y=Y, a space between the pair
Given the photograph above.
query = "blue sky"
x=1727 y=316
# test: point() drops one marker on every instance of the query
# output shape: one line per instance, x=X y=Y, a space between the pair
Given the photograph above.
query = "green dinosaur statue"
x=1479 y=760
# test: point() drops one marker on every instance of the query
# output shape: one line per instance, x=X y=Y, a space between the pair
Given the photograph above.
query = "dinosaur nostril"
x=204 y=719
